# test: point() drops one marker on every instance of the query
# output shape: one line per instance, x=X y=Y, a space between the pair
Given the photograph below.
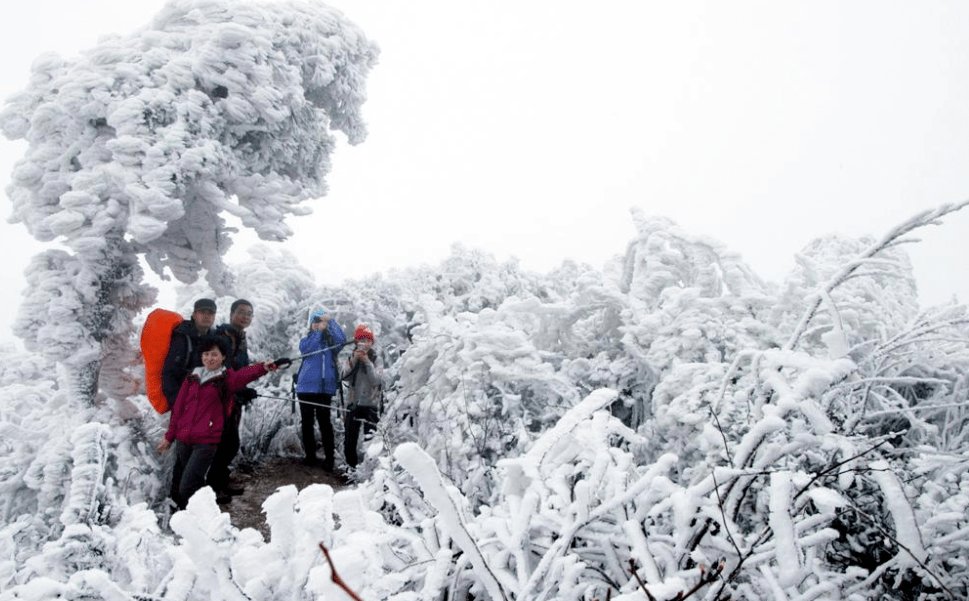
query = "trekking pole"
x=276 y=398
x=345 y=412
x=323 y=350
x=286 y=361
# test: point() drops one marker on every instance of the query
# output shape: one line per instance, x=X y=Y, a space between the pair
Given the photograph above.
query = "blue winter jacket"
x=311 y=376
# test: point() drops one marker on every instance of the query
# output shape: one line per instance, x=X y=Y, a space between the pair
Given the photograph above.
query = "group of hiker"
x=205 y=380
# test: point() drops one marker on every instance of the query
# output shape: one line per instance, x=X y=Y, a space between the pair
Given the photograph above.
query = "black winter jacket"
x=183 y=356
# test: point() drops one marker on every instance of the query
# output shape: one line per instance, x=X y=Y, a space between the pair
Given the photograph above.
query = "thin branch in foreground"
x=726 y=447
x=336 y=577
x=642 y=585
x=877 y=525
x=723 y=514
x=706 y=577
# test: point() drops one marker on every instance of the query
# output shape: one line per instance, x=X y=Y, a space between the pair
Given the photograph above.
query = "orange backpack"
x=155 y=339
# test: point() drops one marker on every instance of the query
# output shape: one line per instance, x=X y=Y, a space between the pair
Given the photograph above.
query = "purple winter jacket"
x=199 y=413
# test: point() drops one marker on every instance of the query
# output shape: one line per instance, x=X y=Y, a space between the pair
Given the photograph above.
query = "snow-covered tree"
x=137 y=147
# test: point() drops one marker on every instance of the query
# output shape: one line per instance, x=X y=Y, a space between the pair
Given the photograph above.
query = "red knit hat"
x=362 y=332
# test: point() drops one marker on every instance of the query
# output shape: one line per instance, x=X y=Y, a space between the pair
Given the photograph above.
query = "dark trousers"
x=358 y=418
x=322 y=415
x=192 y=461
x=218 y=477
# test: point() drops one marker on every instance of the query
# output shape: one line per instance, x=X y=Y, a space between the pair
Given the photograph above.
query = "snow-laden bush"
x=72 y=474
x=564 y=441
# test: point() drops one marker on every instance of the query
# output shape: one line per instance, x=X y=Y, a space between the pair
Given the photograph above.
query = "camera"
x=363 y=345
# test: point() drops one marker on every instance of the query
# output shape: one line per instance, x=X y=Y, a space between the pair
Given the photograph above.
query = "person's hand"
x=247 y=394
x=163 y=445
x=322 y=323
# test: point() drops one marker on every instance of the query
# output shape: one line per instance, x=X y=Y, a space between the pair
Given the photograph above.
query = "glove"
x=246 y=395
x=283 y=362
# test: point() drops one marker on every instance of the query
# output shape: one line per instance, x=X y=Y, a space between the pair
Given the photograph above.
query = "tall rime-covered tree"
x=137 y=146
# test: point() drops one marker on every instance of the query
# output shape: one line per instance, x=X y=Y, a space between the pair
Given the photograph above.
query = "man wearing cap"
x=237 y=357
x=183 y=350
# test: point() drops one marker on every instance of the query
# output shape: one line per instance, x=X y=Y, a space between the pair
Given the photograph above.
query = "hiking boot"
x=223 y=498
x=311 y=462
x=233 y=491
x=328 y=465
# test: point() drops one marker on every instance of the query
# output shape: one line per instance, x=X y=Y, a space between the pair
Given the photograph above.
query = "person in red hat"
x=365 y=381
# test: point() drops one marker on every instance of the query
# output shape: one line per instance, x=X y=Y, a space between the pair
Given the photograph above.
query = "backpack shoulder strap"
x=232 y=335
x=224 y=395
x=188 y=350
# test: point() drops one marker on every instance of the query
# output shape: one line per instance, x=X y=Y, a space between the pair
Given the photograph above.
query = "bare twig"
x=706 y=577
x=877 y=525
x=642 y=585
x=723 y=515
x=835 y=466
x=726 y=448
x=336 y=577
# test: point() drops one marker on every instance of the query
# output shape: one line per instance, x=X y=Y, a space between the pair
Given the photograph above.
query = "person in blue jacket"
x=316 y=383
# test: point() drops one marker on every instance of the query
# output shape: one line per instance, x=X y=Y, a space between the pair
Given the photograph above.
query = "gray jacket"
x=365 y=382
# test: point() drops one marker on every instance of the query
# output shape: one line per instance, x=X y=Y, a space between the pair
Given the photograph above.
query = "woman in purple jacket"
x=204 y=402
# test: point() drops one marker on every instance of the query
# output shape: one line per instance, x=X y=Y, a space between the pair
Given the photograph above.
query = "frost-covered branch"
x=891 y=238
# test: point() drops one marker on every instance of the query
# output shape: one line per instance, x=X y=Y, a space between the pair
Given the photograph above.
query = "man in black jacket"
x=183 y=350
x=240 y=316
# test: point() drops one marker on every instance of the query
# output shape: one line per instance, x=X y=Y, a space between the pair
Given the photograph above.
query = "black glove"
x=283 y=362
x=246 y=394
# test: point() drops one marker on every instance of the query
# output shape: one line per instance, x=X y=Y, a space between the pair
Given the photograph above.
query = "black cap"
x=204 y=304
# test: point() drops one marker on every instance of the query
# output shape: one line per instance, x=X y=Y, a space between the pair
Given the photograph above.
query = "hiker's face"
x=212 y=358
x=204 y=318
x=241 y=317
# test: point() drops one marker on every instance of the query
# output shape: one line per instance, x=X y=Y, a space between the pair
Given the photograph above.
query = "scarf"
x=204 y=375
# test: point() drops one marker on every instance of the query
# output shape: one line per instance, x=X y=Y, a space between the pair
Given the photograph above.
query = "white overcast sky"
x=529 y=128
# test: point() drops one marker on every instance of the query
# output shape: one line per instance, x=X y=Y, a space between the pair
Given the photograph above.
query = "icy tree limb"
x=782 y=524
x=898 y=561
x=662 y=465
x=89 y=456
x=892 y=238
x=422 y=468
x=906 y=529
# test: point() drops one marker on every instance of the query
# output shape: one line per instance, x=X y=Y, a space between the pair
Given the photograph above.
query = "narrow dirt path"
x=246 y=509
